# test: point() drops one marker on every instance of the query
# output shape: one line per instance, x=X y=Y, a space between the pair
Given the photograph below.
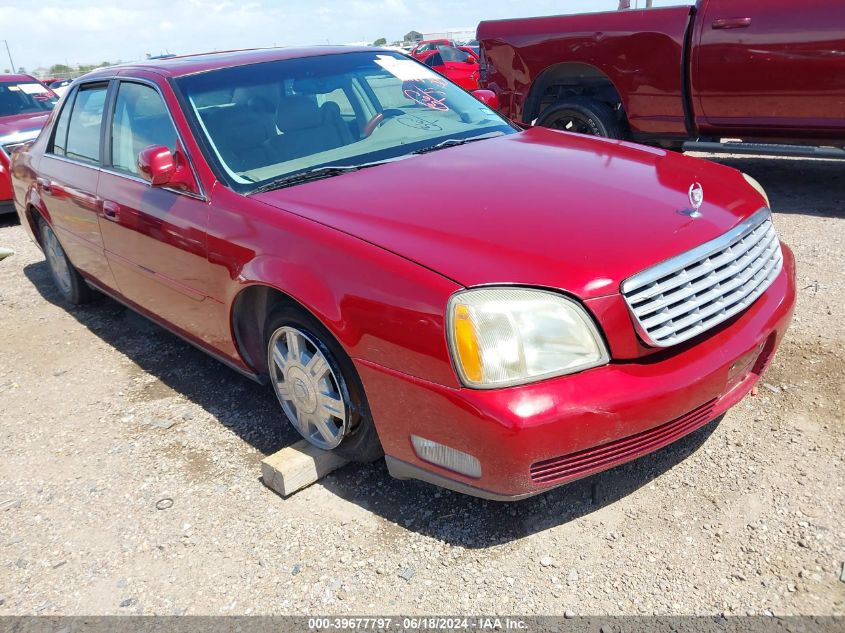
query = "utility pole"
x=10 y=56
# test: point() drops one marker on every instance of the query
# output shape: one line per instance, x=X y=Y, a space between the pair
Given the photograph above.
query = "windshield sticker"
x=429 y=97
x=403 y=69
x=31 y=89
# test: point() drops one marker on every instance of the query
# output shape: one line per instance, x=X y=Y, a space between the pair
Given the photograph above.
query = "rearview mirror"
x=157 y=164
x=487 y=97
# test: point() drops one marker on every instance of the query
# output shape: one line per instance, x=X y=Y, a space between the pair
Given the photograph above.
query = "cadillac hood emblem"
x=696 y=199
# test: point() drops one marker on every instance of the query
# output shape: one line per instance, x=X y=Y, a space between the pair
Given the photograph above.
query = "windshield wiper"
x=451 y=142
x=318 y=173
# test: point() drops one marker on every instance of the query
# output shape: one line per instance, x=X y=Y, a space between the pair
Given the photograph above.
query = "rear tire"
x=317 y=386
x=583 y=116
x=66 y=278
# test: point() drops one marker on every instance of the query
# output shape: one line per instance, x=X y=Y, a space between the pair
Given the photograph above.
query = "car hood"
x=540 y=208
x=21 y=127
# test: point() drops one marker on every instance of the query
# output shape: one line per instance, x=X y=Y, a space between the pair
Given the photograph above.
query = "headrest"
x=298 y=113
x=330 y=110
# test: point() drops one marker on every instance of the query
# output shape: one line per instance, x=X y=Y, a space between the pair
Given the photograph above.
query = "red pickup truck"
x=763 y=71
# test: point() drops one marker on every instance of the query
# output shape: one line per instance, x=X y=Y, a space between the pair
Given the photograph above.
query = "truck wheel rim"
x=307 y=387
x=58 y=261
x=574 y=123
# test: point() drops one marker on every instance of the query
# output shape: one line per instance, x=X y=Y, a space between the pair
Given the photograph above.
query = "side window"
x=140 y=119
x=60 y=133
x=83 y=133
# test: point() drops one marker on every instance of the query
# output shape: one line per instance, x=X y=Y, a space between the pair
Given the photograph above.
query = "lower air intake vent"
x=591 y=459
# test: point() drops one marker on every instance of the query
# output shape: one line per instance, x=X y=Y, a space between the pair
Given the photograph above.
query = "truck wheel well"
x=249 y=316
x=570 y=79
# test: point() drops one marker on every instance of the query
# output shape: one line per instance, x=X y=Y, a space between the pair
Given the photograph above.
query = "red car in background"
x=25 y=105
x=458 y=63
x=425 y=47
x=293 y=213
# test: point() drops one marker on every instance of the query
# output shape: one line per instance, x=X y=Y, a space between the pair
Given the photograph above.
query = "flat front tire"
x=67 y=279
x=317 y=386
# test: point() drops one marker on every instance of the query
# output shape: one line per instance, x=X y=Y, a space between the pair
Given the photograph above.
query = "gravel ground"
x=129 y=480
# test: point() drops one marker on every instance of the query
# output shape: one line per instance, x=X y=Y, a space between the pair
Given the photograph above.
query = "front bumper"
x=535 y=437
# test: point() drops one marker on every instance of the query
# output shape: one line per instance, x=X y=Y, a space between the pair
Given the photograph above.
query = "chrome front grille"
x=695 y=291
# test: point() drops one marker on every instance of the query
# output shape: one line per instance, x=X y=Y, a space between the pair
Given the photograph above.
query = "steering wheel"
x=373 y=123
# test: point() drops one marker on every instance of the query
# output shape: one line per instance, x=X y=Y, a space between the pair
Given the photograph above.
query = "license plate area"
x=742 y=366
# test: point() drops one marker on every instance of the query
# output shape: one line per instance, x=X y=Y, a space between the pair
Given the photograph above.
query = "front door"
x=155 y=237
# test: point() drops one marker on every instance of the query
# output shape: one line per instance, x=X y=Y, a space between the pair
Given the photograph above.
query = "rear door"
x=68 y=176
x=155 y=237
x=773 y=65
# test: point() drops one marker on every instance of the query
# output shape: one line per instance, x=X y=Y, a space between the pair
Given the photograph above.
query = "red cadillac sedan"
x=496 y=310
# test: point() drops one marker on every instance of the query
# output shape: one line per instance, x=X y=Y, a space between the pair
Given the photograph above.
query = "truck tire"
x=582 y=115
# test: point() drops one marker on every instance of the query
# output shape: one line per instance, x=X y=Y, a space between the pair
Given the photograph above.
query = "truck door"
x=769 y=67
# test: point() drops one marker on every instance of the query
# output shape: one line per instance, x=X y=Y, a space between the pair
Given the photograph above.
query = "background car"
x=460 y=64
x=427 y=47
x=60 y=86
x=25 y=104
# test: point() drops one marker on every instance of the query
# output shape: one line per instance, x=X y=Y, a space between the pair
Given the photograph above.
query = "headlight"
x=503 y=336
x=751 y=181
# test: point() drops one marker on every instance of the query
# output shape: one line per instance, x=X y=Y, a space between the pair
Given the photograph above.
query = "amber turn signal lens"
x=466 y=343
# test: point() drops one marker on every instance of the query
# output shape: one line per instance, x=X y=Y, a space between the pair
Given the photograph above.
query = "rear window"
x=83 y=133
x=24 y=97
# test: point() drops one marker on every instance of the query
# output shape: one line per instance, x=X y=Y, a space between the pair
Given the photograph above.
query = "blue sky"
x=75 y=31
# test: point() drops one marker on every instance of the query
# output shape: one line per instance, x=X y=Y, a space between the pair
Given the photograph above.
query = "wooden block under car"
x=297 y=466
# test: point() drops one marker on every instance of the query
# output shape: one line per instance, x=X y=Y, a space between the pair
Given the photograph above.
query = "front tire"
x=66 y=278
x=583 y=116
x=317 y=386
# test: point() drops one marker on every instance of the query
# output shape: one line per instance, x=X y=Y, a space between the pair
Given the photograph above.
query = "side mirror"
x=161 y=167
x=471 y=59
x=157 y=164
x=487 y=97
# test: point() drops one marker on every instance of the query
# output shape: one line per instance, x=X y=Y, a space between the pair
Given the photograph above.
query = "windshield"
x=23 y=97
x=267 y=121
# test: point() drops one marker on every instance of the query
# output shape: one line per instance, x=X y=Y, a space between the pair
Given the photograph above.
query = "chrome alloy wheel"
x=57 y=260
x=307 y=388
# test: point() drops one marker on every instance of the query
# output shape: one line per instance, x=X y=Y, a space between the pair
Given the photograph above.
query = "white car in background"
x=61 y=87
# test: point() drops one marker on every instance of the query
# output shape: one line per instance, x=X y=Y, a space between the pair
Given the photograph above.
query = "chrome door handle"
x=111 y=211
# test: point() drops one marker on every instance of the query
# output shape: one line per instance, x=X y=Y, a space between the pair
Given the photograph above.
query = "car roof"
x=17 y=77
x=202 y=62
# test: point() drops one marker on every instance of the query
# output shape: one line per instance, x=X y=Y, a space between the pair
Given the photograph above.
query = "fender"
x=363 y=302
